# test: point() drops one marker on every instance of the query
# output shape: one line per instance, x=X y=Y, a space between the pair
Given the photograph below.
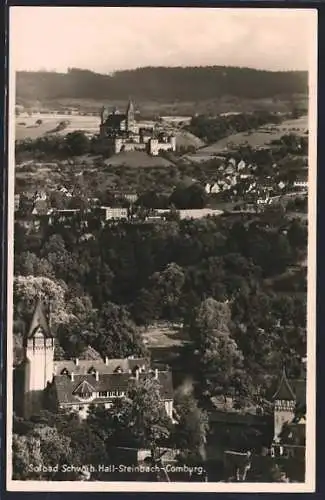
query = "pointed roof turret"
x=39 y=320
x=130 y=108
x=284 y=391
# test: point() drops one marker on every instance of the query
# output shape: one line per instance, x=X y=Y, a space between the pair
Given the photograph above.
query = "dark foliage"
x=192 y=83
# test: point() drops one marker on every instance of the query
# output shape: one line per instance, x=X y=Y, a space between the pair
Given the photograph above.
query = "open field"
x=27 y=129
x=50 y=122
x=255 y=138
x=164 y=335
x=166 y=344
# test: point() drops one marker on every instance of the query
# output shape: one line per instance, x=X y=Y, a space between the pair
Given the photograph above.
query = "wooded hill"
x=161 y=84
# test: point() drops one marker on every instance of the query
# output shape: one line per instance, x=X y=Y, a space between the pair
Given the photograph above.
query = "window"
x=85 y=395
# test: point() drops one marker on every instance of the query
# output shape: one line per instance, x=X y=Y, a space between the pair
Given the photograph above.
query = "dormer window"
x=64 y=372
x=92 y=371
x=84 y=391
x=118 y=370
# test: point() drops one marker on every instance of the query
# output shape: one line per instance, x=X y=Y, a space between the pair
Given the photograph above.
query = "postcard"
x=162 y=258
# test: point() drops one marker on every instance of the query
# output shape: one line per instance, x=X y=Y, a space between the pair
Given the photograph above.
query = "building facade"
x=121 y=131
x=76 y=384
x=289 y=417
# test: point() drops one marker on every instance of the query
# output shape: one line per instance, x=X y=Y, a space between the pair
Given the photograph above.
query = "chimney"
x=143 y=368
x=72 y=377
x=156 y=373
x=137 y=374
x=106 y=360
x=77 y=361
x=97 y=375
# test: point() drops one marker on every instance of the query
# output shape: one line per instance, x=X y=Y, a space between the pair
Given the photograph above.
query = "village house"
x=192 y=213
x=112 y=213
x=282 y=429
x=67 y=217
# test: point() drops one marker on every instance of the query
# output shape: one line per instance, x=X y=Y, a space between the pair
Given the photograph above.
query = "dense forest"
x=133 y=275
x=162 y=84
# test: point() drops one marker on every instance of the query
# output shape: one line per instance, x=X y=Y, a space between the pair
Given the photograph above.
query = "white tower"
x=39 y=361
x=284 y=406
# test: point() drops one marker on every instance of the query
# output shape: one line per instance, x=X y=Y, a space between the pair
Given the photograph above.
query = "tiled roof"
x=289 y=390
x=65 y=387
x=83 y=366
x=39 y=320
x=219 y=417
x=90 y=353
x=299 y=389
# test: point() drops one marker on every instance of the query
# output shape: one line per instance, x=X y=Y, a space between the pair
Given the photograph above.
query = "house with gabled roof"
x=74 y=385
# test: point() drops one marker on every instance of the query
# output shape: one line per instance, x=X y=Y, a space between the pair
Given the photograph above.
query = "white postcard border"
x=80 y=486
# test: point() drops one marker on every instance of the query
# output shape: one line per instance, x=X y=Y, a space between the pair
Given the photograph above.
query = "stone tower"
x=39 y=360
x=130 y=117
x=284 y=405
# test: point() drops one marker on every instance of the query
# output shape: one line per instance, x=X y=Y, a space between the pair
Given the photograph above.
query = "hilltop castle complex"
x=123 y=133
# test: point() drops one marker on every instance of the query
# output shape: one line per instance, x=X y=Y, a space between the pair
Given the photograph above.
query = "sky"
x=107 y=39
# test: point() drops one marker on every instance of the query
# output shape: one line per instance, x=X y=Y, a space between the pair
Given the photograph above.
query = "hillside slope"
x=137 y=159
x=162 y=84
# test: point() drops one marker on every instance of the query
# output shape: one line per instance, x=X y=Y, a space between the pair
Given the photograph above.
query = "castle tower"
x=172 y=142
x=103 y=115
x=153 y=147
x=39 y=360
x=284 y=405
x=130 y=117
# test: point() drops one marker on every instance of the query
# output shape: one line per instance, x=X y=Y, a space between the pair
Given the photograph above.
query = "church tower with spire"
x=39 y=360
x=130 y=117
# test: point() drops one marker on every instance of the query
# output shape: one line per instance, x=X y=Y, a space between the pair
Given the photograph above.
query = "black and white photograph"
x=162 y=226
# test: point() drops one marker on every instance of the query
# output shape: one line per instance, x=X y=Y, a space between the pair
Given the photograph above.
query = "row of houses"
x=105 y=215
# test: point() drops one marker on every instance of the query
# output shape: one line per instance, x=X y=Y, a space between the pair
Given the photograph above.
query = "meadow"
x=26 y=126
x=254 y=138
